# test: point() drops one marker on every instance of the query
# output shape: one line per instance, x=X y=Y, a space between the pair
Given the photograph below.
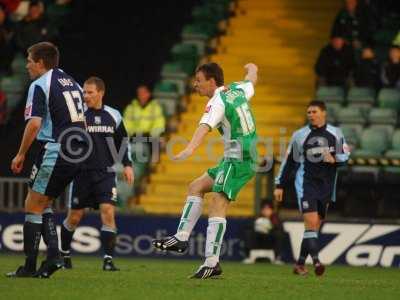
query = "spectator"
x=6 y=49
x=144 y=118
x=334 y=64
x=353 y=23
x=33 y=28
x=266 y=232
x=366 y=73
x=390 y=74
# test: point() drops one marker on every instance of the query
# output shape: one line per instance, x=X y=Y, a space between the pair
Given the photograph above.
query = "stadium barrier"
x=354 y=244
x=13 y=191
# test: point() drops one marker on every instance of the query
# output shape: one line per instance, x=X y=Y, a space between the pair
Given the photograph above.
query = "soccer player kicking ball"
x=228 y=110
x=314 y=153
x=54 y=114
x=96 y=186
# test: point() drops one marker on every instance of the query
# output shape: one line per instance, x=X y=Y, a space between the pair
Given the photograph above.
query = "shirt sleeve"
x=214 y=113
x=288 y=165
x=121 y=139
x=342 y=149
x=35 y=103
x=248 y=88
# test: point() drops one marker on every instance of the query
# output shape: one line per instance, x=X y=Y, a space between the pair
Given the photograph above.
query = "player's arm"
x=35 y=110
x=195 y=142
x=288 y=166
x=342 y=149
x=121 y=140
x=213 y=116
x=251 y=74
x=31 y=130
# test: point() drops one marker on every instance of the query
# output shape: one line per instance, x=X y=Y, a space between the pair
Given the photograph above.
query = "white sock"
x=215 y=235
x=190 y=214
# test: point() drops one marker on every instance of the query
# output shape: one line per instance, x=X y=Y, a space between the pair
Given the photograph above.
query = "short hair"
x=212 y=70
x=318 y=103
x=46 y=51
x=98 y=82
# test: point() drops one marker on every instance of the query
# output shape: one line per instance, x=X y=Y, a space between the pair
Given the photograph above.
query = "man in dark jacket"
x=334 y=64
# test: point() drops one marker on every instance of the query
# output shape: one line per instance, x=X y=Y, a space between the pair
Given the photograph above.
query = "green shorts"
x=230 y=175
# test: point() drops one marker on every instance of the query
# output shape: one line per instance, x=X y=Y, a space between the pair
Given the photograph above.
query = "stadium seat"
x=394 y=151
x=184 y=51
x=389 y=98
x=165 y=88
x=12 y=85
x=332 y=111
x=359 y=96
x=351 y=115
x=330 y=94
x=374 y=142
x=352 y=133
x=383 y=116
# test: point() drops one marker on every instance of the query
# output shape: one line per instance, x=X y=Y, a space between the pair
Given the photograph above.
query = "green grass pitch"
x=167 y=279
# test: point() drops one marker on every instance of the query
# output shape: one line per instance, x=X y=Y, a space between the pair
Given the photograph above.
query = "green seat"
x=351 y=115
x=374 y=142
x=330 y=94
x=169 y=105
x=165 y=89
x=389 y=98
x=394 y=151
x=18 y=65
x=173 y=70
x=197 y=31
x=12 y=85
x=383 y=116
x=13 y=100
x=384 y=37
x=184 y=51
x=359 y=96
x=332 y=110
x=352 y=134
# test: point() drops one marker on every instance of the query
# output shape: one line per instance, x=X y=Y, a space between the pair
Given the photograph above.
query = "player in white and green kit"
x=227 y=110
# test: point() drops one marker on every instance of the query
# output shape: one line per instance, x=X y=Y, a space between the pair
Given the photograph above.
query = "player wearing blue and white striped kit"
x=314 y=153
x=54 y=115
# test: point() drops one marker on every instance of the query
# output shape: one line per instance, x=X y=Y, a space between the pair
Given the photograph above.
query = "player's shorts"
x=316 y=198
x=51 y=173
x=92 y=188
x=231 y=175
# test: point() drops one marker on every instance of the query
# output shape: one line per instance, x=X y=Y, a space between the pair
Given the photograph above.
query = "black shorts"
x=318 y=205
x=315 y=197
x=92 y=188
x=51 y=173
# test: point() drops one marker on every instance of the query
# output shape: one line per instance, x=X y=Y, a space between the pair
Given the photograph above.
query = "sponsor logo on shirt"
x=100 y=129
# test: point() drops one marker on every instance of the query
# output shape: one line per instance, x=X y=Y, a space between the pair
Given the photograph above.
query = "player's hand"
x=250 y=67
x=129 y=175
x=328 y=158
x=17 y=163
x=183 y=154
x=278 y=194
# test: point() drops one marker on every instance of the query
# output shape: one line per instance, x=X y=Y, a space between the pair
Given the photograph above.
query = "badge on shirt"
x=97 y=120
x=208 y=108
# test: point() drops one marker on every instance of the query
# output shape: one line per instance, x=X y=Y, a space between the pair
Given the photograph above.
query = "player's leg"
x=230 y=177
x=218 y=206
x=68 y=227
x=108 y=235
x=35 y=204
x=190 y=215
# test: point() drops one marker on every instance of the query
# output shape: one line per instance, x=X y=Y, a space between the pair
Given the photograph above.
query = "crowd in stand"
x=23 y=23
x=351 y=58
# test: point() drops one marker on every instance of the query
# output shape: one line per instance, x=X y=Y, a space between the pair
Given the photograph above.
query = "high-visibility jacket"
x=144 y=120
